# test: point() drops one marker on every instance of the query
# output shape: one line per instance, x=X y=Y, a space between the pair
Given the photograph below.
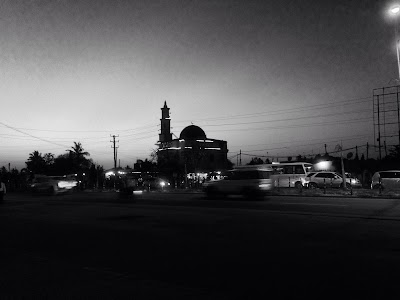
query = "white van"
x=389 y=180
x=291 y=174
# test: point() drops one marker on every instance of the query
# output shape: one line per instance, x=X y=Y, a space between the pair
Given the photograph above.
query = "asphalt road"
x=183 y=246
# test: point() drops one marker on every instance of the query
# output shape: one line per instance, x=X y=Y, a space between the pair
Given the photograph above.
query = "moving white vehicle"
x=53 y=184
x=249 y=181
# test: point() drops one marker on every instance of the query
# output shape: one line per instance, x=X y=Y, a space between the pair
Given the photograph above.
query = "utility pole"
x=379 y=131
x=384 y=146
x=339 y=147
x=115 y=149
x=398 y=112
x=240 y=157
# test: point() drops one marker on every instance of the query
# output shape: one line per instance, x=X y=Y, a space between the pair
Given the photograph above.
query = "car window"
x=320 y=175
x=264 y=174
x=288 y=170
x=310 y=174
x=298 y=169
x=389 y=175
x=247 y=174
x=42 y=179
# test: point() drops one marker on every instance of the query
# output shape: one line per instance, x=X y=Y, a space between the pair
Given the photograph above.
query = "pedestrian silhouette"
x=3 y=190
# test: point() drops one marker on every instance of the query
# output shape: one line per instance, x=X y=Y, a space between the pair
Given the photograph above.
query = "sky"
x=272 y=78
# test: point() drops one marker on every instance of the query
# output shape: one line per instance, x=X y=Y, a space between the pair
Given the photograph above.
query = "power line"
x=290 y=119
x=28 y=134
x=360 y=120
x=289 y=110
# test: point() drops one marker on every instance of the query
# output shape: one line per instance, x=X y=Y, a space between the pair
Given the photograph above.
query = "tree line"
x=74 y=161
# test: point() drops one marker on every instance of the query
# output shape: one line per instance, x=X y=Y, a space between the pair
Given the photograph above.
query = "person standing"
x=3 y=190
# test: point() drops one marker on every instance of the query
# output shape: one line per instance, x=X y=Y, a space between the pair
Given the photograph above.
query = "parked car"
x=389 y=180
x=247 y=181
x=354 y=181
x=53 y=184
x=329 y=180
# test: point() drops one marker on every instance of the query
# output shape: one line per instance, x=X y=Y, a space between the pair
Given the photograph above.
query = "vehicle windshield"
x=41 y=179
x=249 y=174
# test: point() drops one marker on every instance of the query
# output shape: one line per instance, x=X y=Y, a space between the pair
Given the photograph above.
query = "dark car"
x=245 y=181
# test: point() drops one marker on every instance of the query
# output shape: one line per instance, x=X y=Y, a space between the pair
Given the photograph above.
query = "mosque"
x=192 y=152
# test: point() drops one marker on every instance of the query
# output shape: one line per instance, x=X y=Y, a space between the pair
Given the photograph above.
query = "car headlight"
x=162 y=183
x=264 y=185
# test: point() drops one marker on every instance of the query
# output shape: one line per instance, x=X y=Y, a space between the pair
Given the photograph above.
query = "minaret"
x=165 y=135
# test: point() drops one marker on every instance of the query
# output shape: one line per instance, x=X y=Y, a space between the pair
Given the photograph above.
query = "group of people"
x=3 y=190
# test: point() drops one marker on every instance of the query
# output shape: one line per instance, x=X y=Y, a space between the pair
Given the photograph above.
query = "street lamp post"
x=395 y=10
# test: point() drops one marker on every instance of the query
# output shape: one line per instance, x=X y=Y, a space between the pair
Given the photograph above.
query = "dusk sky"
x=272 y=78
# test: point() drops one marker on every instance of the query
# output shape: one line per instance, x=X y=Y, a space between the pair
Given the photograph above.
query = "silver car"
x=330 y=179
x=247 y=181
x=389 y=180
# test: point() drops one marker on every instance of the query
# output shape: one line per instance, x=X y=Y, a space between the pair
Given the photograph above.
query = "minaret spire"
x=165 y=135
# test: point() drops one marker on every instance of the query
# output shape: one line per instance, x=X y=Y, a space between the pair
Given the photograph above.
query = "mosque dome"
x=192 y=132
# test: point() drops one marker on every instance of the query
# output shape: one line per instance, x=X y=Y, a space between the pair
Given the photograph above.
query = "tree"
x=394 y=153
x=256 y=161
x=349 y=155
x=36 y=163
x=48 y=159
x=78 y=156
x=63 y=164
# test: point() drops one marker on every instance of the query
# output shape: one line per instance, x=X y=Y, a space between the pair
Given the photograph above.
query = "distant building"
x=192 y=152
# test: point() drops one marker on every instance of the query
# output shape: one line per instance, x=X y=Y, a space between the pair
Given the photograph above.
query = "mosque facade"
x=192 y=152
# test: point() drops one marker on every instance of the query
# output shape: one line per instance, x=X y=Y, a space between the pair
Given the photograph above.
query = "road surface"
x=183 y=246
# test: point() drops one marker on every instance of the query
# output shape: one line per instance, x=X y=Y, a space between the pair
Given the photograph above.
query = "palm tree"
x=78 y=154
x=36 y=162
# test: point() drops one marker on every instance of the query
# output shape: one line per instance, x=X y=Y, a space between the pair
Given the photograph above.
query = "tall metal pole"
x=379 y=130
x=397 y=44
x=342 y=165
x=398 y=113
x=115 y=150
x=398 y=66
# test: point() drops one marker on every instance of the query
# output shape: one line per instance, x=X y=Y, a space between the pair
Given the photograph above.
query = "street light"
x=395 y=10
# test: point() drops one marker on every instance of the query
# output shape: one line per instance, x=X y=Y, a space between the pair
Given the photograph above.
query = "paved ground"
x=182 y=246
